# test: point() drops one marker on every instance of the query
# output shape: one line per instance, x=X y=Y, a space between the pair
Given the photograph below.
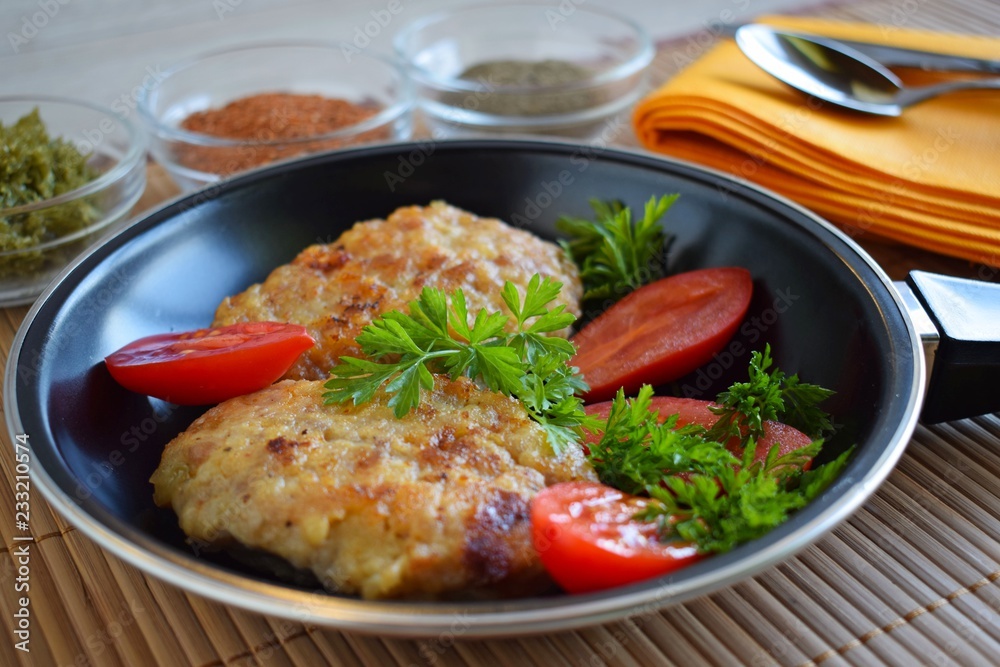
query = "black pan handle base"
x=965 y=371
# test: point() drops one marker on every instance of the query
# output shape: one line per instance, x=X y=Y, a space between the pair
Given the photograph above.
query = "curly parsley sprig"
x=615 y=253
x=705 y=493
x=719 y=512
x=636 y=451
x=406 y=350
x=745 y=406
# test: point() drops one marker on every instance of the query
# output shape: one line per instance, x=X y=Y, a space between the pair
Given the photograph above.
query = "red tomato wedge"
x=588 y=541
x=209 y=365
x=662 y=331
x=693 y=411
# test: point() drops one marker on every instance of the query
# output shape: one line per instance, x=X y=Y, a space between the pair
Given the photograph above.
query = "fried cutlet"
x=335 y=289
x=433 y=505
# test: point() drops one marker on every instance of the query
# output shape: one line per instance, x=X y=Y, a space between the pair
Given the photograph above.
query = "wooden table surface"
x=911 y=579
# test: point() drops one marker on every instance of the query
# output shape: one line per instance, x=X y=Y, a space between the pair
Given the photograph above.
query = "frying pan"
x=827 y=310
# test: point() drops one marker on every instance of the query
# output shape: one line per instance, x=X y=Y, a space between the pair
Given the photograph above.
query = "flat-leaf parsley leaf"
x=406 y=350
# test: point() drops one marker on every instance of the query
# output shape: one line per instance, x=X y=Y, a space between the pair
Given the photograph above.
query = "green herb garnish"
x=615 y=253
x=705 y=493
x=636 y=452
x=35 y=167
x=719 y=512
x=745 y=406
x=406 y=350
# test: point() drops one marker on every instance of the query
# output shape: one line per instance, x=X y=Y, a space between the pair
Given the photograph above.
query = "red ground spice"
x=262 y=119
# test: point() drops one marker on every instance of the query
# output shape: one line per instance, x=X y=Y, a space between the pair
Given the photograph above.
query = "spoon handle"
x=898 y=57
x=909 y=96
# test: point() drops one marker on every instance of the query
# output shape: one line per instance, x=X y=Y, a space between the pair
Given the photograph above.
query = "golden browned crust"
x=434 y=505
x=380 y=265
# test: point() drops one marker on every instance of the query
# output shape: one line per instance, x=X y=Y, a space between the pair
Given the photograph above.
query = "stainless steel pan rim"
x=486 y=618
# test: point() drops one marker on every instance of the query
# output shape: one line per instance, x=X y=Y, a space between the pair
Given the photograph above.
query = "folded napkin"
x=930 y=178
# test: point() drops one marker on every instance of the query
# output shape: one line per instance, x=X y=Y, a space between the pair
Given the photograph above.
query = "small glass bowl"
x=614 y=51
x=117 y=152
x=195 y=159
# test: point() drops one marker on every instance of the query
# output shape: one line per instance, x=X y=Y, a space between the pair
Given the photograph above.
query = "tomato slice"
x=662 y=331
x=694 y=411
x=209 y=365
x=588 y=541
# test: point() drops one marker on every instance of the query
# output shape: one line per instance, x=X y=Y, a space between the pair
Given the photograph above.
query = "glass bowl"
x=72 y=220
x=564 y=69
x=324 y=70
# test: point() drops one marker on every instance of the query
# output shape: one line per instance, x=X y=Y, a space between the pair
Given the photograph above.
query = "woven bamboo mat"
x=911 y=579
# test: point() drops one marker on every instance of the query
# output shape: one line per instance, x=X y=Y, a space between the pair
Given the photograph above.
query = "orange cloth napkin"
x=930 y=178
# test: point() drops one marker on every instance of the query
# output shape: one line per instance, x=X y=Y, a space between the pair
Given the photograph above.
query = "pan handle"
x=959 y=322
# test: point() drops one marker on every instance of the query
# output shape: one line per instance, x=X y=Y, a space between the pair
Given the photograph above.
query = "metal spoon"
x=837 y=73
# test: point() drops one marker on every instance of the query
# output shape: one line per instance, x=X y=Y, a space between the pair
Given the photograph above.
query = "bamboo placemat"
x=911 y=579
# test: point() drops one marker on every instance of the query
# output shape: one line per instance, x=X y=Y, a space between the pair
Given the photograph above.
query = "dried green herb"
x=35 y=167
x=525 y=88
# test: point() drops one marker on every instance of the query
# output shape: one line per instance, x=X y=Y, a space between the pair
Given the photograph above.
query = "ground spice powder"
x=272 y=126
